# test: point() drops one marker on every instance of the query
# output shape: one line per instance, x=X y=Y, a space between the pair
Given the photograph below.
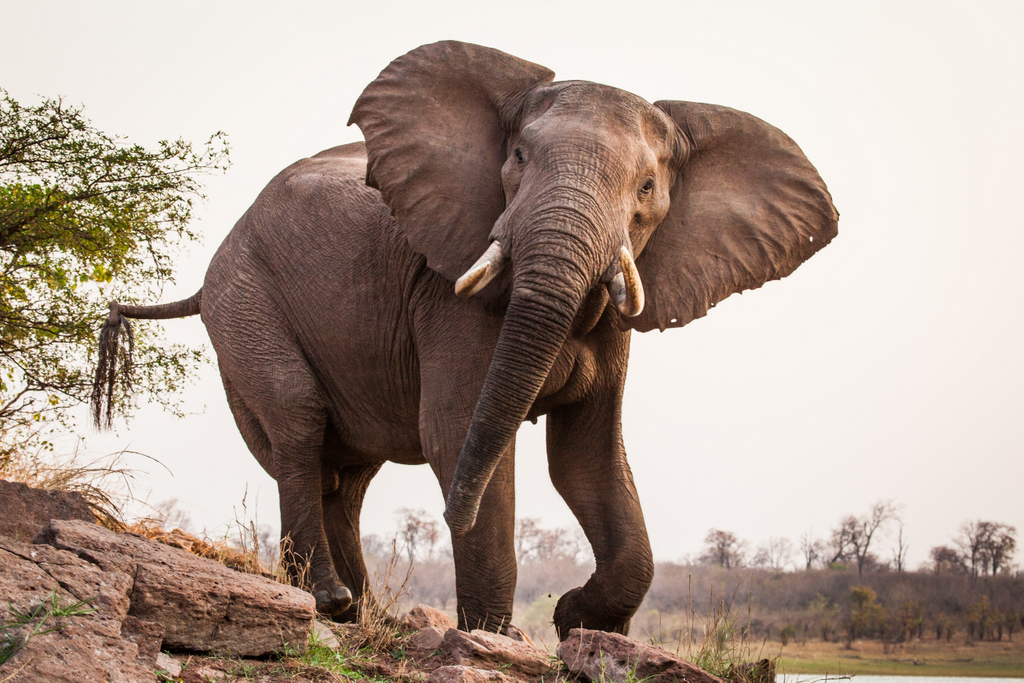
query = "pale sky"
x=887 y=367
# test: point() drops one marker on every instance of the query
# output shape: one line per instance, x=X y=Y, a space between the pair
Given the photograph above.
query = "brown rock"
x=76 y=653
x=202 y=605
x=491 y=650
x=107 y=592
x=323 y=635
x=87 y=647
x=422 y=616
x=167 y=666
x=49 y=569
x=147 y=636
x=27 y=510
x=426 y=640
x=207 y=672
x=515 y=633
x=601 y=656
x=467 y=674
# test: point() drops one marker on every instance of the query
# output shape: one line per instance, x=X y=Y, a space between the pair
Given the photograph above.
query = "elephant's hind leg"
x=282 y=421
x=341 y=525
x=297 y=444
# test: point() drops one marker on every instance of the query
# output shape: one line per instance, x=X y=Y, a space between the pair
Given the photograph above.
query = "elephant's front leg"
x=588 y=467
x=485 y=558
x=455 y=352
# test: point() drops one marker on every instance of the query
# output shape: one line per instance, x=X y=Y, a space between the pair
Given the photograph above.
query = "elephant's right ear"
x=435 y=122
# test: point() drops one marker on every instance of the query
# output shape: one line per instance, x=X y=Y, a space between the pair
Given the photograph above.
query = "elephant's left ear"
x=746 y=207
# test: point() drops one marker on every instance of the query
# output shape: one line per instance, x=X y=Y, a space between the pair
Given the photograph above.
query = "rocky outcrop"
x=485 y=650
x=82 y=603
x=202 y=605
x=600 y=656
x=27 y=510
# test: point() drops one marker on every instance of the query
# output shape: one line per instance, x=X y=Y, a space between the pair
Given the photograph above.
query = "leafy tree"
x=823 y=612
x=946 y=560
x=85 y=217
x=909 y=621
x=866 y=615
x=981 y=617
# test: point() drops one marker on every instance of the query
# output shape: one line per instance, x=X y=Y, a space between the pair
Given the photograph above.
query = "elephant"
x=481 y=260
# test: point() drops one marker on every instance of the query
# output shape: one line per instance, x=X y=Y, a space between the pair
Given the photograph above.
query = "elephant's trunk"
x=545 y=297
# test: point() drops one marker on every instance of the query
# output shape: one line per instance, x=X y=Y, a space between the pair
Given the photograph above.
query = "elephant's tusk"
x=483 y=271
x=625 y=288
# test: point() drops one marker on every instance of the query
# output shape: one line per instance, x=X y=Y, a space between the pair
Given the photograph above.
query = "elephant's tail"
x=107 y=374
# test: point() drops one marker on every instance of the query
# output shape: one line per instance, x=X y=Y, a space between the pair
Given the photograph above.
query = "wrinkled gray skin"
x=342 y=344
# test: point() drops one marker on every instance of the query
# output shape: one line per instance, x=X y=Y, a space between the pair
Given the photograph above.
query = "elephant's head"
x=569 y=187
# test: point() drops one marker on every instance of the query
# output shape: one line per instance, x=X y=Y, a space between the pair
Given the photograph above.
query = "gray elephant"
x=480 y=261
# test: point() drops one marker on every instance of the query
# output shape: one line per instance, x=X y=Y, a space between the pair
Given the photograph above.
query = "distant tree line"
x=835 y=605
x=967 y=591
x=981 y=548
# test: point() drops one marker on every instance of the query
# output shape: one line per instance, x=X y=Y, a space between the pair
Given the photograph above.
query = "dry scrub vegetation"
x=834 y=619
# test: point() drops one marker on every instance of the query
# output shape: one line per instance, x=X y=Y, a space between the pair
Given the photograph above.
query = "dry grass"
x=718 y=642
x=378 y=626
x=103 y=481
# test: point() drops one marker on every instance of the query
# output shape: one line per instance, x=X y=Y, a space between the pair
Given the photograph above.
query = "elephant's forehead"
x=583 y=105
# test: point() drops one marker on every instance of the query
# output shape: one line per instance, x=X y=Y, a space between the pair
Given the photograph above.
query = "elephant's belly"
x=381 y=435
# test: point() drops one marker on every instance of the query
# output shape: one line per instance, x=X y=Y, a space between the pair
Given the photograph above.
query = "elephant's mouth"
x=624 y=285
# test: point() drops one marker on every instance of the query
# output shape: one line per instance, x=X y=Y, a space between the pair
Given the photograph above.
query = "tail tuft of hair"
x=113 y=367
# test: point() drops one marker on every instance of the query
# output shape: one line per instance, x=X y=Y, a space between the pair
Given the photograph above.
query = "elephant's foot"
x=572 y=611
x=333 y=600
x=484 y=621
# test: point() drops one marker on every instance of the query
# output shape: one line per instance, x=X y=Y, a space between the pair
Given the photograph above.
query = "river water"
x=808 y=678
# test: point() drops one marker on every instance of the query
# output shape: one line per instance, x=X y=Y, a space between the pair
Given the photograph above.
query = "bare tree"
x=899 y=553
x=375 y=546
x=419 y=532
x=970 y=542
x=841 y=547
x=172 y=514
x=854 y=536
x=537 y=544
x=722 y=548
x=986 y=546
x=812 y=550
x=774 y=554
x=1000 y=548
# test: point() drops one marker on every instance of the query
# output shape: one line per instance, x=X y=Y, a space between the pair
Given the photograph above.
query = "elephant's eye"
x=519 y=155
x=646 y=188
